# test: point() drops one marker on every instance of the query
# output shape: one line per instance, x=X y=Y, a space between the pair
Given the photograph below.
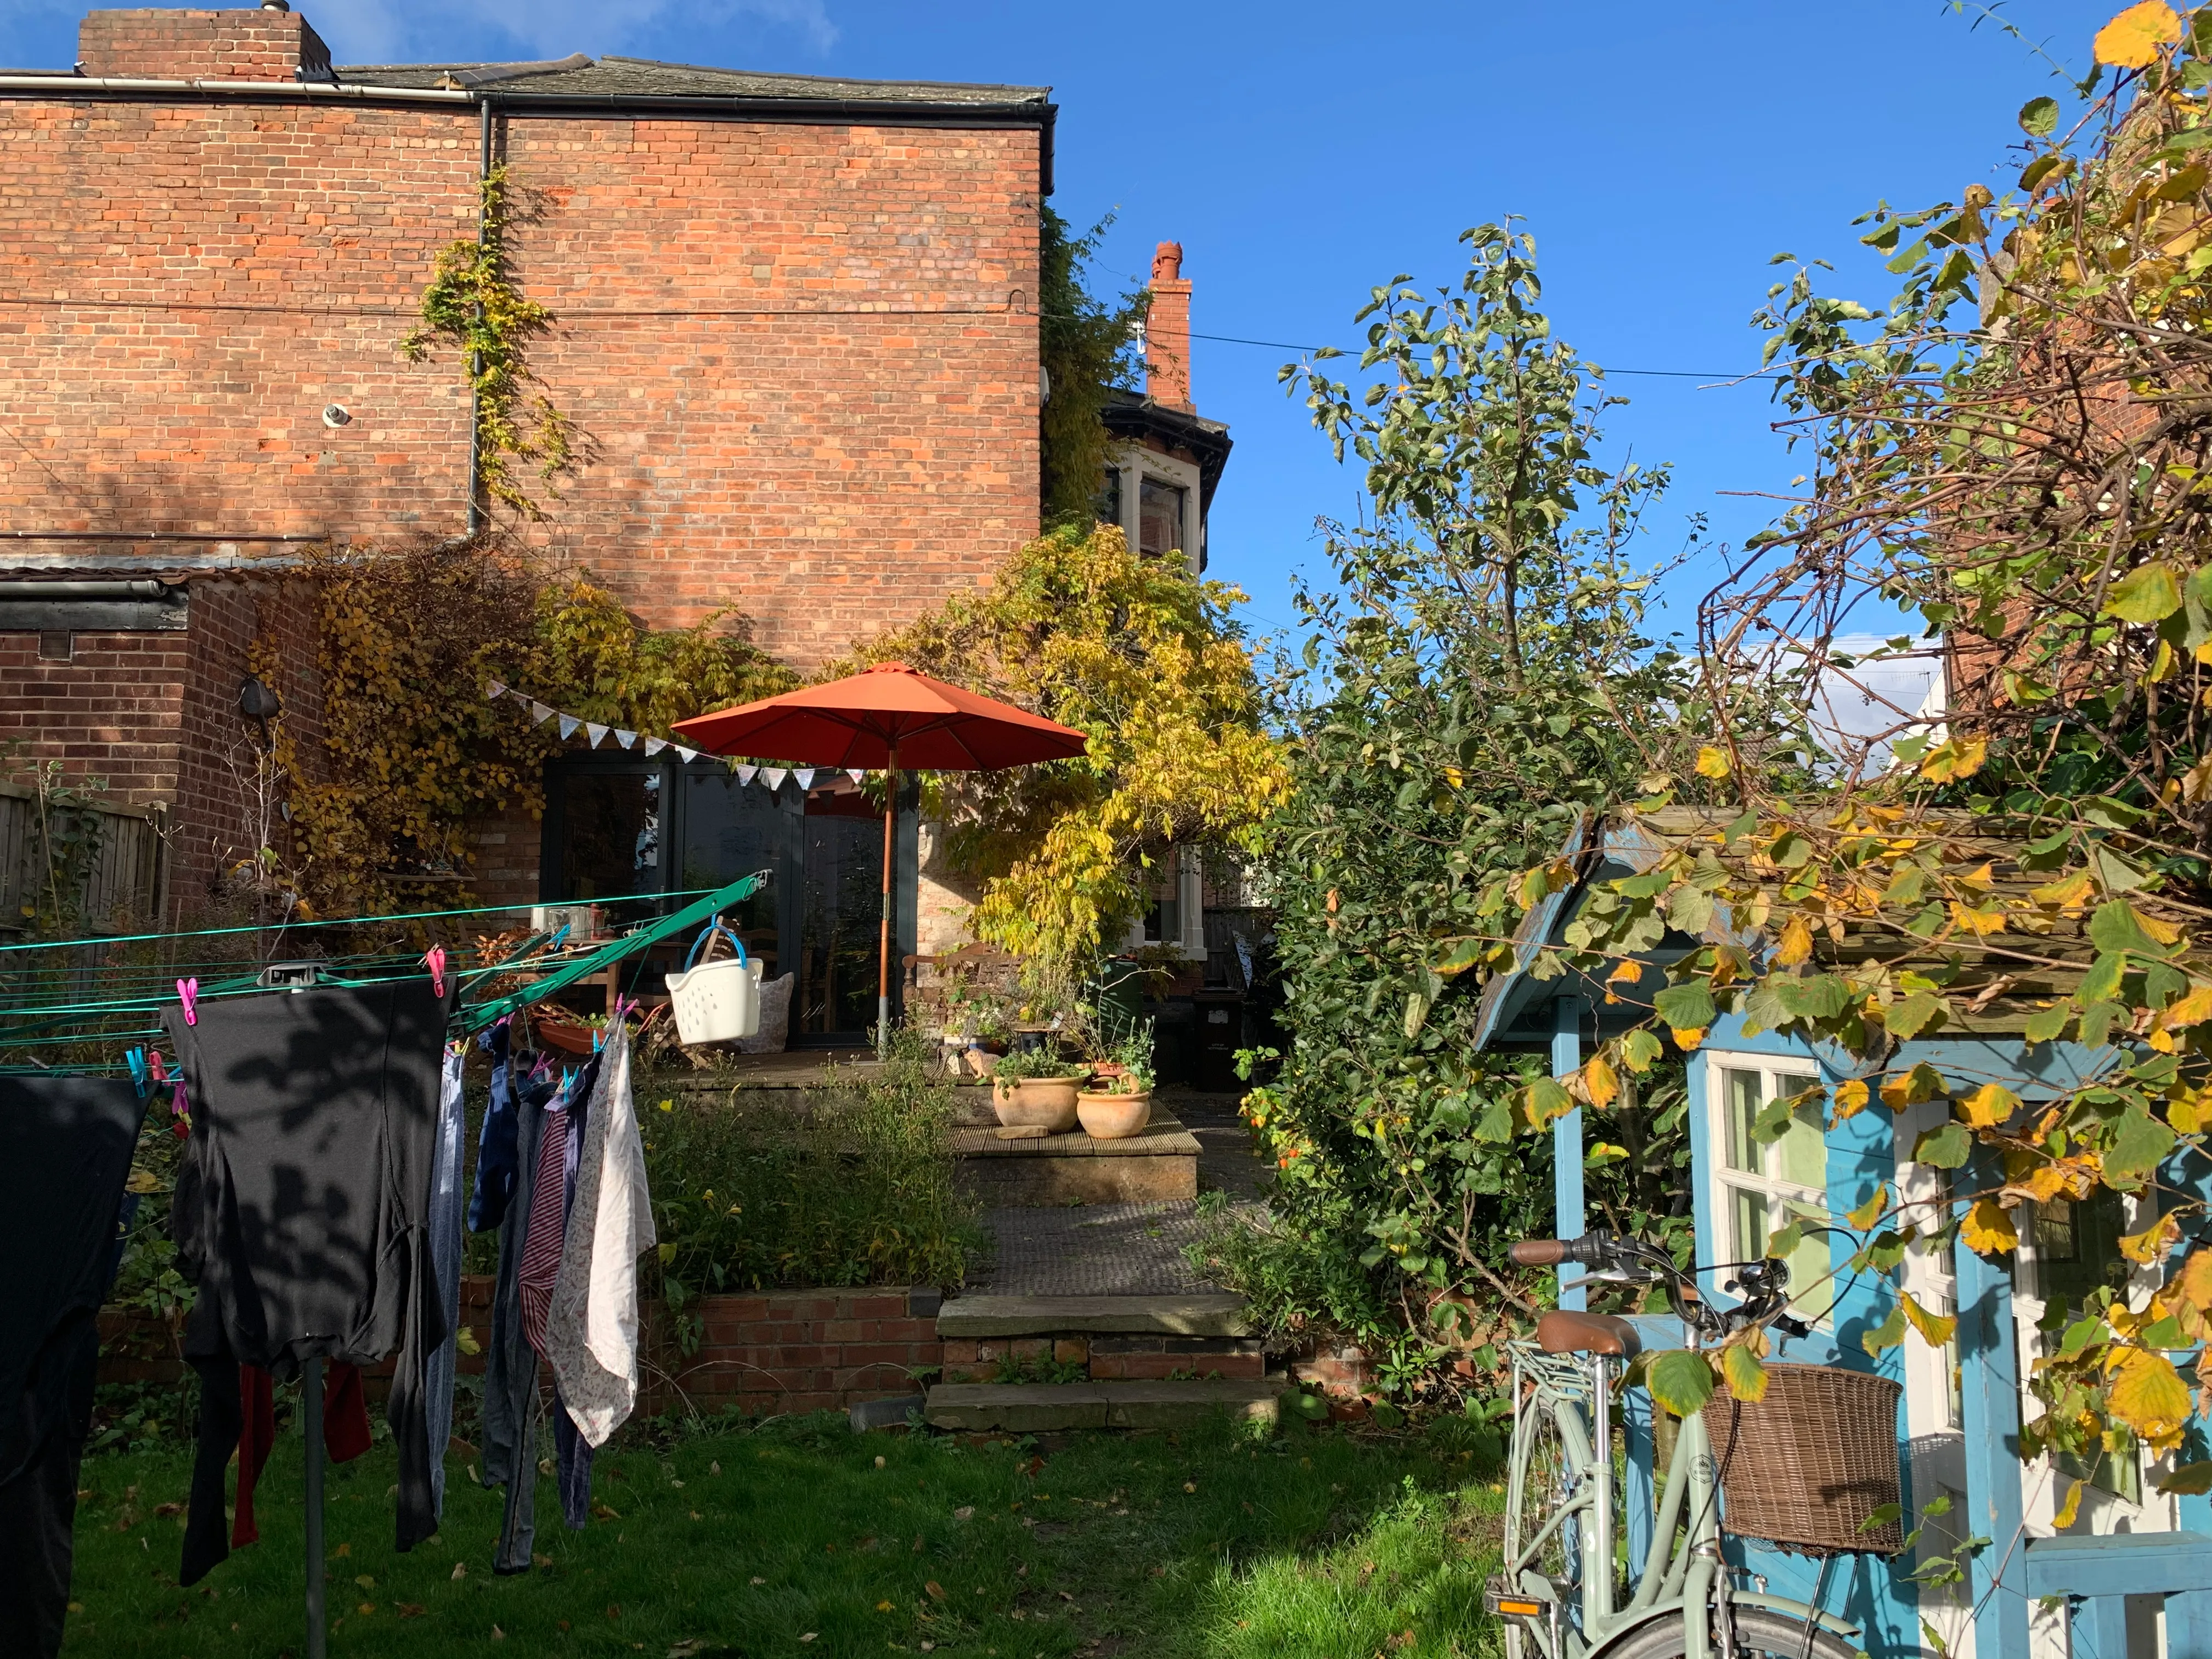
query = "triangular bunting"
x=627 y=739
x=745 y=774
x=654 y=745
x=493 y=692
x=686 y=754
x=594 y=731
x=856 y=775
x=805 y=777
x=773 y=776
x=568 y=725
x=539 y=713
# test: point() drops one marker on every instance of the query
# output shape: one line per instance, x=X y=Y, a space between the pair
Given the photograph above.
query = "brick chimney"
x=272 y=43
x=1167 y=331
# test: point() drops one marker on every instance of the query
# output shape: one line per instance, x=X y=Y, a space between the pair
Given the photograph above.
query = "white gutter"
x=65 y=84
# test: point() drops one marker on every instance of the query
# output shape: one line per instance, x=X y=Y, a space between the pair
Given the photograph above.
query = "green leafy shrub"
x=854 y=1187
x=1040 y=1063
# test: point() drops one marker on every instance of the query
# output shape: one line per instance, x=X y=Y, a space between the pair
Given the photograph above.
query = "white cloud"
x=450 y=31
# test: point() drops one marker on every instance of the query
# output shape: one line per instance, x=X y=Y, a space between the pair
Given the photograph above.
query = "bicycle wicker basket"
x=1805 y=1466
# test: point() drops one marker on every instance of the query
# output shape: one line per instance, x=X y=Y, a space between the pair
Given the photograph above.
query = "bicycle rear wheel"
x=1760 y=1634
x=1552 y=1463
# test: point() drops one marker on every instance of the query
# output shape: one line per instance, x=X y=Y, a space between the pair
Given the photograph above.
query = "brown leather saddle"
x=1563 y=1331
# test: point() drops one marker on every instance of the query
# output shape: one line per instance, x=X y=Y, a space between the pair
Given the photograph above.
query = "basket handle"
x=709 y=931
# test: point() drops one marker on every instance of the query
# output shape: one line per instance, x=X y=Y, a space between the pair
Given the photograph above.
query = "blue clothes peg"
x=142 y=1076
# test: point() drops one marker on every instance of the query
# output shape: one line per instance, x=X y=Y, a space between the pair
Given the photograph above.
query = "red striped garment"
x=541 y=1247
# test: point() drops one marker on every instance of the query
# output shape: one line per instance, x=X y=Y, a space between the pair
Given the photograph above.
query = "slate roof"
x=580 y=76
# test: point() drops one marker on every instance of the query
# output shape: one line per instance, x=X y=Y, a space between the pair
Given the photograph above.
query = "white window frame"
x=1186 y=875
x=1936 y=1440
x=2102 y=1510
x=1135 y=463
x=1777 y=1191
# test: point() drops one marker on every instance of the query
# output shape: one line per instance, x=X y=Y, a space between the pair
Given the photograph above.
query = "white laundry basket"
x=716 y=1001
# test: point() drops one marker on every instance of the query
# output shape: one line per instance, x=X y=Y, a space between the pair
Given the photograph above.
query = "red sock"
x=345 y=1412
x=258 y=1404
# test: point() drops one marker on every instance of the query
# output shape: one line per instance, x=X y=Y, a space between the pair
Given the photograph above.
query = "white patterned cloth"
x=591 y=1331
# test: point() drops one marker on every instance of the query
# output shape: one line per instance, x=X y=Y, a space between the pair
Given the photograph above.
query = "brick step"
x=1214 y=1314
x=1102 y=1359
x=1035 y=1408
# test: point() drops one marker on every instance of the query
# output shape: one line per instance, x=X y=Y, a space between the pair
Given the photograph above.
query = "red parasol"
x=879 y=718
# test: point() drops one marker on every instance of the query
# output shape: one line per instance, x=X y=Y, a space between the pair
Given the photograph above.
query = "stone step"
x=1211 y=1314
x=1040 y=1408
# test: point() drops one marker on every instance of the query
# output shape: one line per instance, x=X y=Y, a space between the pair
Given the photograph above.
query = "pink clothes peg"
x=188 y=993
x=435 y=960
x=154 y=1064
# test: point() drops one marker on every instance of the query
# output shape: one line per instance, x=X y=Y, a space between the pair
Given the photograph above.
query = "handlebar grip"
x=1588 y=1251
x=1536 y=1252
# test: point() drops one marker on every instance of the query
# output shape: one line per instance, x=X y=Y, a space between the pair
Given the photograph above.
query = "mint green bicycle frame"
x=1689 y=1580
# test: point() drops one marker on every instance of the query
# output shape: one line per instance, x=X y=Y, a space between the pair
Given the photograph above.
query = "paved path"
x=1125 y=1249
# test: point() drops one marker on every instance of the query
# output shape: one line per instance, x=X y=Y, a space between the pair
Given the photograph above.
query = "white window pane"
x=1744 y=1097
x=1802 y=1151
x=1749 y=1209
x=1812 y=1284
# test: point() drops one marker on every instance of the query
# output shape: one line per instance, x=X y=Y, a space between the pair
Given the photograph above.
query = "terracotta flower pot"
x=1044 y=1103
x=1114 y=1117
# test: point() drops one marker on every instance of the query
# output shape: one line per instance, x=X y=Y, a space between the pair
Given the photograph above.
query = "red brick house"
x=796 y=332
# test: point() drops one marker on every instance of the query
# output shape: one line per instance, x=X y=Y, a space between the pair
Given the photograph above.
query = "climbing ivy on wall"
x=1087 y=349
x=472 y=302
x=412 y=755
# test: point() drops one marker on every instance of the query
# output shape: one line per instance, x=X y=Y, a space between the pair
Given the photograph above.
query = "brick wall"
x=193 y=45
x=112 y=711
x=782 y=1350
x=851 y=436
x=794 y=1350
x=801 y=363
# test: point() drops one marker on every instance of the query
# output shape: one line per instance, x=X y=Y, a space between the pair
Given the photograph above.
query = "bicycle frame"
x=1688 y=1581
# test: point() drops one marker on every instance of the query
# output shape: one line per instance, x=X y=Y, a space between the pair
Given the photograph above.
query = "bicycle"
x=1562 y=1510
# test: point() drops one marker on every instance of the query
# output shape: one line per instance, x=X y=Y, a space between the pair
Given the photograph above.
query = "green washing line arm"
x=692 y=915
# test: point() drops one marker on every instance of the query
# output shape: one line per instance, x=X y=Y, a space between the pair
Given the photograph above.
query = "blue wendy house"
x=2132 y=1574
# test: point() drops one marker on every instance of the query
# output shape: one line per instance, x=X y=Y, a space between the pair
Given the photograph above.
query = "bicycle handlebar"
x=1764 y=1284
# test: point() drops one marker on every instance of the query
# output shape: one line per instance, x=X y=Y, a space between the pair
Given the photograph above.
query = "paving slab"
x=1091 y=1250
x=1203 y=1314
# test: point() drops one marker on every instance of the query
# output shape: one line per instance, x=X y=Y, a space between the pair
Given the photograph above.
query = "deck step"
x=1213 y=1314
x=1035 y=1408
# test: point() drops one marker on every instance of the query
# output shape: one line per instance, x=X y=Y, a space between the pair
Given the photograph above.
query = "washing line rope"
x=347 y=921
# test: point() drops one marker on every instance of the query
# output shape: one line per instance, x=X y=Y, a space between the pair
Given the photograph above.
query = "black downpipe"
x=476 y=457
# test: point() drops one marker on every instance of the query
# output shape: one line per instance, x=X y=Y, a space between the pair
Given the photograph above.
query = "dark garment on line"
x=65 y=1146
x=496 y=1144
x=573 y=1459
x=38 y=1516
x=510 y=1395
x=300 y=1211
x=346 y=1432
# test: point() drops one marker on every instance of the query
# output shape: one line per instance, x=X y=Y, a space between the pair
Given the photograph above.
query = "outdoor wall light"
x=258 y=704
x=336 y=415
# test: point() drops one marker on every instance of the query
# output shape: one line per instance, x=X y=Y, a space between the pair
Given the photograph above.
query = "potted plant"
x=1036 y=1088
x=1119 y=1102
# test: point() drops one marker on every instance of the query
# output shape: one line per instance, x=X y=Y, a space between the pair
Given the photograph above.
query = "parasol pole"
x=883 y=950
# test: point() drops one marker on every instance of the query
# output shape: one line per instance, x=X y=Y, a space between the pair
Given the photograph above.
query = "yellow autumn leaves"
x=2135 y=38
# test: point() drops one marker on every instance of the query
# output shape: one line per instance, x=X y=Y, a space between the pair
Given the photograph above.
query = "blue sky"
x=1303 y=152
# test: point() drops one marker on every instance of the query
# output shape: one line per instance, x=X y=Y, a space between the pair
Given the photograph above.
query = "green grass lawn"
x=800 y=1538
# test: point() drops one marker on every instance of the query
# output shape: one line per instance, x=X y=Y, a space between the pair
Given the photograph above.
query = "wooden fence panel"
x=121 y=892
